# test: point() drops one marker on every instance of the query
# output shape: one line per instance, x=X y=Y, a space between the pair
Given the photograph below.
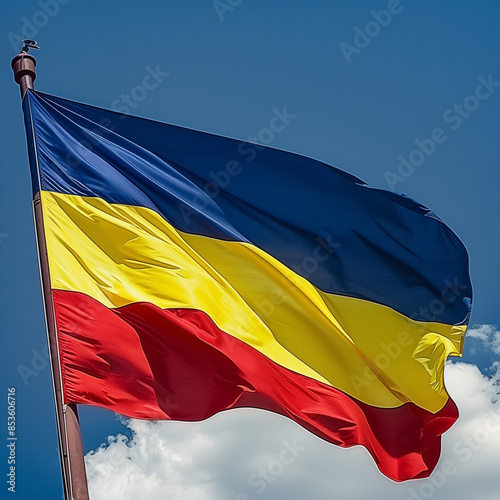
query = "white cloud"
x=241 y=455
x=157 y=460
x=488 y=334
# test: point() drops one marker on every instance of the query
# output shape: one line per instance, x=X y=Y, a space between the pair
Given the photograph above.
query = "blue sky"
x=362 y=102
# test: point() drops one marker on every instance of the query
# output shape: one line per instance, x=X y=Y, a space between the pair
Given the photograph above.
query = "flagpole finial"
x=23 y=66
x=29 y=44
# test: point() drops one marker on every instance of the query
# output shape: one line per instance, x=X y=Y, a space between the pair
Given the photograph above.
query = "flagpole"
x=68 y=425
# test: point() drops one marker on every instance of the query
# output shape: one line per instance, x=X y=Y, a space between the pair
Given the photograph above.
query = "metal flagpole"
x=68 y=425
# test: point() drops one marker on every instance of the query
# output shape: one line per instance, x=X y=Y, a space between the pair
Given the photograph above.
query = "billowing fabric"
x=193 y=273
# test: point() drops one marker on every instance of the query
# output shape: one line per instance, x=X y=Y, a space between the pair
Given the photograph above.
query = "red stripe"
x=146 y=362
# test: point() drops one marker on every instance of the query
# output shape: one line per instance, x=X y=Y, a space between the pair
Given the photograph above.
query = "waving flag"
x=193 y=273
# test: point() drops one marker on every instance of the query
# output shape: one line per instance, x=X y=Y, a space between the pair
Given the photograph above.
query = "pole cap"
x=24 y=71
x=23 y=65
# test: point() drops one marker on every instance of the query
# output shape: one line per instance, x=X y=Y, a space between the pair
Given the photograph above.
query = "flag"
x=193 y=273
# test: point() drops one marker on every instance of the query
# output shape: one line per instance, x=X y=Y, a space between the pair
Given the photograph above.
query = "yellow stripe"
x=120 y=254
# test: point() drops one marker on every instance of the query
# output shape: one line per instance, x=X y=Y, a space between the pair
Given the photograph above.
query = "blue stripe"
x=330 y=227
